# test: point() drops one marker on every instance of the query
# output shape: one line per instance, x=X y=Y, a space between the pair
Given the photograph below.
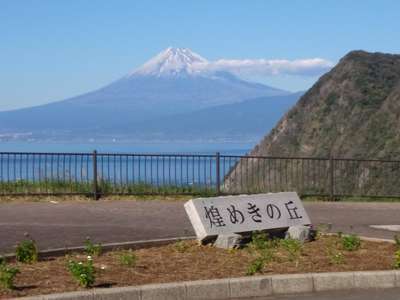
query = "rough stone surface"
x=167 y=291
x=228 y=241
x=214 y=216
x=374 y=279
x=289 y=284
x=333 y=281
x=301 y=233
x=208 y=289
x=250 y=287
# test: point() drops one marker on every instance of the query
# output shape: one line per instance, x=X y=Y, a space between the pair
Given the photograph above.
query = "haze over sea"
x=137 y=147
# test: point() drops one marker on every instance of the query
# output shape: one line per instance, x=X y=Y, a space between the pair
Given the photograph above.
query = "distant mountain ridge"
x=172 y=83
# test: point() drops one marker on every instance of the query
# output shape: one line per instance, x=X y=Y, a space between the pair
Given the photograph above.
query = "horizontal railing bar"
x=46 y=153
x=272 y=157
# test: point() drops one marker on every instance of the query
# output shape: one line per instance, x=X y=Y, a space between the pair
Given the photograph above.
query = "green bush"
x=351 y=242
x=7 y=274
x=26 y=251
x=128 y=258
x=83 y=272
x=92 y=249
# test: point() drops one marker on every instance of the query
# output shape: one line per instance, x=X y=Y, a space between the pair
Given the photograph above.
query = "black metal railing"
x=96 y=174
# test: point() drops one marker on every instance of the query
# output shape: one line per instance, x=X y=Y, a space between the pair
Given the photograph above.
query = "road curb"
x=134 y=245
x=243 y=287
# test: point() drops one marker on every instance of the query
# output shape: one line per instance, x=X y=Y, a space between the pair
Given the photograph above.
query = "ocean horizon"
x=231 y=148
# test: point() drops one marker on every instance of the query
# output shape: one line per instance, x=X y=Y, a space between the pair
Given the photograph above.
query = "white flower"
x=103 y=267
x=80 y=263
x=89 y=257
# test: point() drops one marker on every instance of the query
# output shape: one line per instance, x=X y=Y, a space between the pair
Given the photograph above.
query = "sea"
x=228 y=148
x=149 y=169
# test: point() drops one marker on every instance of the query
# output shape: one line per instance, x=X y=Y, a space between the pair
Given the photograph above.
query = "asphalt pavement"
x=68 y=223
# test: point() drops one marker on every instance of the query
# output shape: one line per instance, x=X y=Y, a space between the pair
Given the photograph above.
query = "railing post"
x=95 y=187
x=331 y=178
x=217 y=175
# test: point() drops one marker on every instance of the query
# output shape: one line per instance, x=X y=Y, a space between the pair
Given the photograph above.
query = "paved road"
x=377 y=294
x=69 y=223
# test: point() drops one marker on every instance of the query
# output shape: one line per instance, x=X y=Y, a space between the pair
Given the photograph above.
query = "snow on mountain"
x=176 y=81
x=172 y=61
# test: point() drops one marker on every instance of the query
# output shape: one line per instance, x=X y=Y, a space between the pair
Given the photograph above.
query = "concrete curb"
x=238 y=288
x=134 y=245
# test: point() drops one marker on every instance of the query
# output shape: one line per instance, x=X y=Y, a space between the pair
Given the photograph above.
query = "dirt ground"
x=186 y=260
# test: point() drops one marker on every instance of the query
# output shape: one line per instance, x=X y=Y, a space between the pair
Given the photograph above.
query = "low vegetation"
x=83 y=272
x=92 y=249
x=351 y=242
x=186 y=260
x=7 y=274
x=21 y=187
x=26 y=251
x=128 y=258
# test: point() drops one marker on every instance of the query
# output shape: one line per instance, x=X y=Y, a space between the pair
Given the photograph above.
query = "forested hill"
x=352 y=111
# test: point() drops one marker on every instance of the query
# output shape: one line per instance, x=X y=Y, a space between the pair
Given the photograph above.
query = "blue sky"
x=51 y=50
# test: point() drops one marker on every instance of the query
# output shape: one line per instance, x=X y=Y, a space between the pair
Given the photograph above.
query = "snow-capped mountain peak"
x=172 y=62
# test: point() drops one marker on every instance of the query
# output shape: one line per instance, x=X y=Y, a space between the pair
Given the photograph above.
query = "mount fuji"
x=175 y=82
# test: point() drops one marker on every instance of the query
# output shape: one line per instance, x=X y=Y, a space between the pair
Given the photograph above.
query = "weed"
x=128 y=258
x=181 y=246
x=397 y=259
x=293 y=248
x=7 y=274
x=335 y=257
x=255 y=266
x=260 y=241
x=83 y=272
x=397 y=241
x=92 y=249
x=26 y=251
x=351 y=242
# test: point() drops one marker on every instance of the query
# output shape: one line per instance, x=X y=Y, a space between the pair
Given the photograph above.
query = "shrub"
x=83 y=272
x=351 y=242
x=128 y=258
x=7 y=274
x=92 y=249
x=26 y=251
